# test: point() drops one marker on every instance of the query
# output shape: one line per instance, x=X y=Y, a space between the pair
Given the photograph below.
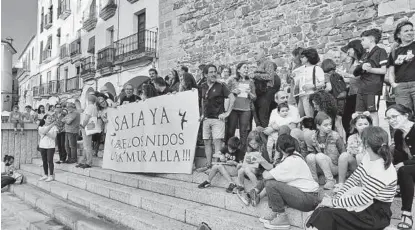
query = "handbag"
x=93 y=126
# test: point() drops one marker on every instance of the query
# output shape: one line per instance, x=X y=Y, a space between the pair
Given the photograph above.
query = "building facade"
x=8 y=86
x=83 y=45
x=194 y=32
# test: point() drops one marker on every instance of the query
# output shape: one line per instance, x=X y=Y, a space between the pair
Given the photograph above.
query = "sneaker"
x=243 y=196
x=43 y=178
x=85 y=166
x=78 y=165
x=329 y=185
x=58 y=162
x=255 y=199
x=204 y=184
x=279 y=222
x=50 y=178
x=231 y=187
x=268 y=218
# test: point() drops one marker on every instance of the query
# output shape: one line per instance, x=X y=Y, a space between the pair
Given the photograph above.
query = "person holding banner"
x=89 y=126
x=214 y=115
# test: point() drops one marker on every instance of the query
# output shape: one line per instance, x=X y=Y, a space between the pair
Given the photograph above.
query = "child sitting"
x=276 y=121
x=328 y=145
x=16 y=118
x=355 y=149
x=250 y=167
x=227 y=165
x=27 y=116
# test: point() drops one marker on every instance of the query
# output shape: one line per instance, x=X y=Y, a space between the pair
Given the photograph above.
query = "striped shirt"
x=377 y=183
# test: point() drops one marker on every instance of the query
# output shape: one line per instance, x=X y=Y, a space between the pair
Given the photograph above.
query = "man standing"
x=130 y=97
x=214 y=115
x=372 y=73
x=72 y=122
x=273 y=84
x=60 y=137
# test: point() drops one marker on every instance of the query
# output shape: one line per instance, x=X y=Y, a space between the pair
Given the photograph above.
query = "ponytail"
x=385 y=152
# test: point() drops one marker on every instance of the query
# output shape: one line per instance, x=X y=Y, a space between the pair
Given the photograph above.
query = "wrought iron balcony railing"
x=64 y=53
x=62 y=86
x=141 y=44
x=75 y=47
x=72 y=84
x=88 y=65
x=106 y=57
x=44 y=89
x=36 y=92
x=53 y=86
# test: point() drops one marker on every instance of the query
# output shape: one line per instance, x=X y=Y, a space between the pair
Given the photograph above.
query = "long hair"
x=176 y=78
x=148 y=90
x=403 y=110
x=326 y=102
x=38 y=109
x=238 y=67
x=358 y=117
x=261 y=139
x=377 y=139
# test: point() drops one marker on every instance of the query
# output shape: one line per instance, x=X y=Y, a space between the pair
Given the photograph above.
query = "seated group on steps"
x=302 y=157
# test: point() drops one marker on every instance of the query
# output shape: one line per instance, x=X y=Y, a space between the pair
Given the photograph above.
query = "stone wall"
x=193 y=32
x=22 y=147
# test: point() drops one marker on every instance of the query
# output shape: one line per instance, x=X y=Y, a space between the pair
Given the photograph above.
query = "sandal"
x=404 y=225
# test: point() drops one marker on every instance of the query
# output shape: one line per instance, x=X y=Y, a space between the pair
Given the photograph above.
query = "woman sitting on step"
x=400 y=118
x=365 y=199
x=289 y=183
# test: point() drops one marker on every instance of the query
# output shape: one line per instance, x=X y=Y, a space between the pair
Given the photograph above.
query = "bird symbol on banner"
x=183 y=115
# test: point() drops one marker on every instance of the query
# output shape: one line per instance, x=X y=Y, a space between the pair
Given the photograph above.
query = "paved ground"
x=9 y=221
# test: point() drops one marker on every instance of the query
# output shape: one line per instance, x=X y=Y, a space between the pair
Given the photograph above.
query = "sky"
x=18 y=21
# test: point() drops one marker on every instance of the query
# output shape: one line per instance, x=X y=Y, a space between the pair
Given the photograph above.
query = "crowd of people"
x=319 y=123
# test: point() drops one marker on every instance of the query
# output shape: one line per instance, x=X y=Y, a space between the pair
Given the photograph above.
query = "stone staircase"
x=97 y=198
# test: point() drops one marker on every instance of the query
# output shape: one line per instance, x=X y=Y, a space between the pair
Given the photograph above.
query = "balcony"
x=108 y=11
x=106 y=60
x=36 y=93
x=75 y=48
x=64 y=10
x=132 y=1
x=48 y=21
x=90 y=19
x=53 y=87
x=62 y=86
x=44 y=90
x=47 y=54
x=72 y=84
x=64 y=53
x=88 y=68
x=136 y=48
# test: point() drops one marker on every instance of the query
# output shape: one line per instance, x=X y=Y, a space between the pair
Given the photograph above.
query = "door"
x=141 y=32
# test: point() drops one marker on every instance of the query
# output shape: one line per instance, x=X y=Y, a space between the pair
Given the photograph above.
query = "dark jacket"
x=399 y=154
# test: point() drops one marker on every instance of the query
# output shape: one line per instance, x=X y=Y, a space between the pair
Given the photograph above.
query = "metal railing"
x=64 y=51
x=72 y=83
x=61 y=86
x=105 y=57
x=143 y=41
x=88 y=65
x=47 y=53
x=75 y=47
x=44 y=89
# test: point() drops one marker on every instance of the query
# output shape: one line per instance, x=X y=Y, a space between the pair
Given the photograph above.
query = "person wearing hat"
x=354 y=51
x=402 y=65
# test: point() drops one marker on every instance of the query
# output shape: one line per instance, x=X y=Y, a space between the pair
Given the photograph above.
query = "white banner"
x=157 y=135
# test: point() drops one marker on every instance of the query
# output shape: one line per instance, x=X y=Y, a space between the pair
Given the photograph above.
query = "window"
x=78 y=70
x=41 y=52
x=141 y=29
x=33 y=51
x=58 y=73
x=66 y=73
x=49 y=43
x=91 y=45
x=58 y=35
x=93 y=9
x=110 y=35
x=48 y=76
x=41 y=20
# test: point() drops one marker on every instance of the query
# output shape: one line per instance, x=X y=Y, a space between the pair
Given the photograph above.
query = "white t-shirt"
x=3 y=167
x=304 y=77
x=47 y=141
x=293 y=114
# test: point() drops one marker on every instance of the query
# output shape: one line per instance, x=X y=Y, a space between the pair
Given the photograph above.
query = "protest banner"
x=157 y=135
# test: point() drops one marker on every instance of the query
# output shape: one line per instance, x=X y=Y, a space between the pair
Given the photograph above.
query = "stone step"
x=213 y=196
x=112 y=210
x=175 y=208
x=28 y=217
x=68 y=214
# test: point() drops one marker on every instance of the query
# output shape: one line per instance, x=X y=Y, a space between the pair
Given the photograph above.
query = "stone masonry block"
x=151 y=184
x=176 y=212
x=97 y=188
x=122 y=196
x=101 y=174
x=77 y=182
x=93 y=224
x=46 y=206
x=31 y=198
x=80 y=198
x=392 y=7
x=48 y=224
x=31 y=216
x=125 y=179
x=202 y=196
x=109 y=209
x=68 y=217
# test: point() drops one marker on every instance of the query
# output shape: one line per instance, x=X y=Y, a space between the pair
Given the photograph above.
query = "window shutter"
x=91 y=45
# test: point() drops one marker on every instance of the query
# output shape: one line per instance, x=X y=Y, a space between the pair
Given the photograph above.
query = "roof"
x=27 y=45
x=8 y=43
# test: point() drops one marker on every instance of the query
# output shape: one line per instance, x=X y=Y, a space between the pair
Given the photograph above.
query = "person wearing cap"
x=354 y=51
x=402 y=65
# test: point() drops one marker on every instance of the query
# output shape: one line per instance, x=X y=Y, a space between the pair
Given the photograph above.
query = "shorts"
x=366 y=102
x=213 y=129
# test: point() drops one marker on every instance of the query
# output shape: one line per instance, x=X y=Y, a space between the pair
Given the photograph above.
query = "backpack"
x=339 y=87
